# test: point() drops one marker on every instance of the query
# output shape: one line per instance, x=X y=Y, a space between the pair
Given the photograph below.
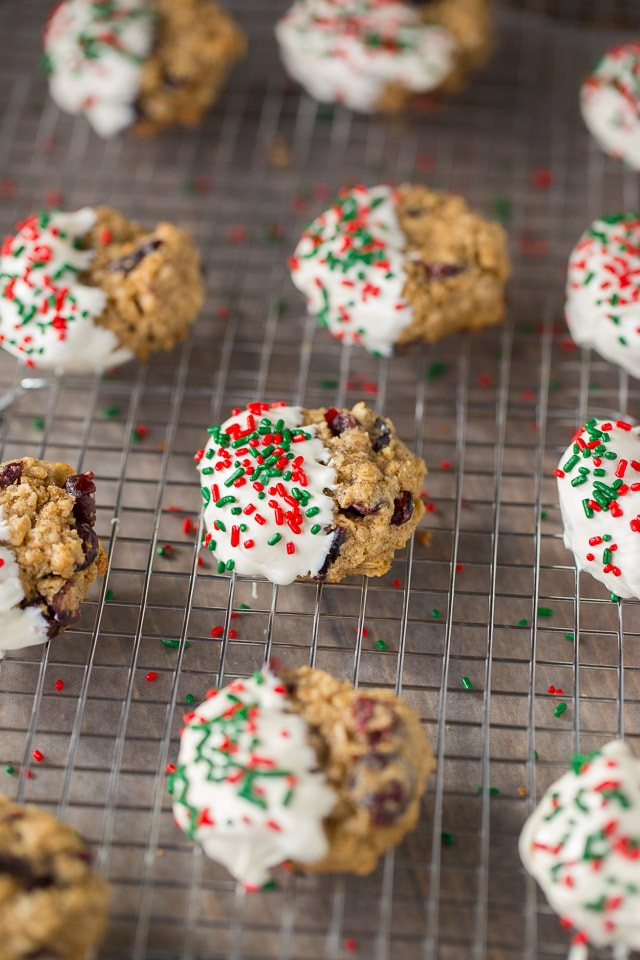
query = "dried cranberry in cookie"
x=321 y=493
x=610 y=102
x=298 y=767
x=49 y=552
x=582 y=845
x=383 y=267
x=599 y=491
x=603 y=290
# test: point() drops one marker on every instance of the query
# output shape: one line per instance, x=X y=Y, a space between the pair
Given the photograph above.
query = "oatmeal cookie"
x=376 y=54
x=89 y=290
x=323 y=493
x=52 y=904
x=49 y=552
x=384 y=267
x=610 y=102
x=146 y=64
x=599 y=491
x=603 y=295
x=299 y=766
x=582 y=844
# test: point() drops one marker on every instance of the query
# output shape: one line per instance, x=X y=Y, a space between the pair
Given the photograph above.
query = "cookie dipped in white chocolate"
x=352 y=51
x=599 y=491
x=349 y=265
x=582 y=845
x=247 y=786
x=47 y=315
x=263 y=480
x=610 y=102
x=94 y=53
x=19 y=626
x=603 y=290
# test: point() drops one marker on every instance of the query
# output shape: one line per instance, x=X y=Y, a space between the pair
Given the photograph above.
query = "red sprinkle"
x=484 y=380
x=151 y=676
x=59 y=684
x=37 y=756
x=186 y=525
x=350 y=944
x=542 y=178
x=217 y=631
x=171 y=768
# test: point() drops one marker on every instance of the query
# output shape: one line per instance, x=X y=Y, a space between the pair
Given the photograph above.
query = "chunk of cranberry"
x=402 y=509
x=362 y=710
x=10 y=473
x=129 y=262
x=89 y=545
x=360 y=509
x=60 y=612
x=82 y=487
x=382 y=435
x=339 y=536
x=442 y=271
x=339 y=421
x=388 y=803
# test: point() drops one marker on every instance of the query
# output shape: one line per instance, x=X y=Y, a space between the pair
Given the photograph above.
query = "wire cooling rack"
x=492 y=596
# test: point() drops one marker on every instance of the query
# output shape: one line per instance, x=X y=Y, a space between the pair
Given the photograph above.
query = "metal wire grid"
x=490 y=414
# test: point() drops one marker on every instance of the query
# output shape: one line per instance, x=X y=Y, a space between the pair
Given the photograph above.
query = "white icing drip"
x=350 y=51
x=603 y=290
x=610 y=102
x=272 y=762
x=359 y=302
x=581 y=845
x=96 y=56
x=252 y=555
x=19 y=627
x=624 y=542
x=46 y=315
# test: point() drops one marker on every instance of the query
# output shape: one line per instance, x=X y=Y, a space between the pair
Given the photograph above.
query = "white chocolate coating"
x=582 y=845
x=349 y=263
x=95 y=52
x=603 y=290
x=610 y=102
x=46 y=314
x=350 y=51
x=601 y=512
x=247 y=785
x=245 y=507
x=19 y=627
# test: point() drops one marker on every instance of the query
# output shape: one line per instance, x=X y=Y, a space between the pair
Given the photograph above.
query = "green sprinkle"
x=111 y=412
x=38 y=423
x=173 y=644
x=108 y=595
x=312 y=512
x=221 y=567
x=328 y=384
x=614 y=597
x=523 y=623
x=535 y=755
x=206 y=495
x=162 y=551
x=270 y=885
x=545 y=612
x=494 y=790
x=316 y=528
x=274 y=539
x=245 y=606
x=224 y=500
x=466 y=683
x=230 y=564
x=560 y=709
x=9 y=769
x=502 y=208
x=543 y=514
x=189 y=698
x=436 y=370
x=448 y=839
x=569 y=635
x=436 y=613
x=381 y=645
